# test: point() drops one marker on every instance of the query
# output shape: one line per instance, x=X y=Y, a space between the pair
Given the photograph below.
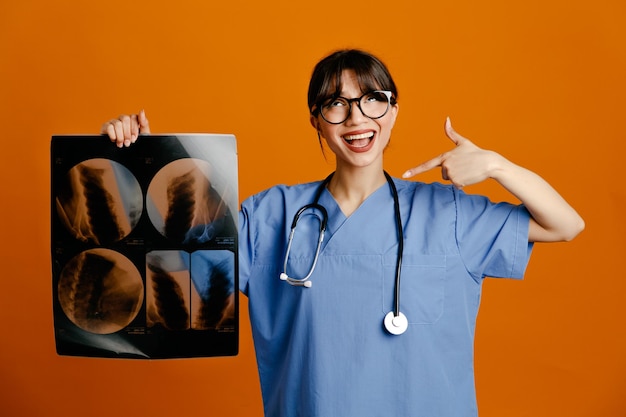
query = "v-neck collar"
x=336 y=217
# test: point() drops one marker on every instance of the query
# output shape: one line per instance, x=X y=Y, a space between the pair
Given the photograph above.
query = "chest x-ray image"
x=144 y=246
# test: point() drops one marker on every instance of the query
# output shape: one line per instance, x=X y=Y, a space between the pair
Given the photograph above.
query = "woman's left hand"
x=552 y=218
x=464 y=165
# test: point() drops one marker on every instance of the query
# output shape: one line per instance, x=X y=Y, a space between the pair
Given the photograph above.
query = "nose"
x=356 y=116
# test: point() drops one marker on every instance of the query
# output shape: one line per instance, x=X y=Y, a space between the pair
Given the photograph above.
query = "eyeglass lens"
x=373 y=105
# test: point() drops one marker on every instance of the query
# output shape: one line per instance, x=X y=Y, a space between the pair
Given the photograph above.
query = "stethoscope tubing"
x=396 y=205
x=320 y=239
x=395 y=321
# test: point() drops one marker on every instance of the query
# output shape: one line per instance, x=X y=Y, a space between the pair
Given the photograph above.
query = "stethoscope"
x=395 y=322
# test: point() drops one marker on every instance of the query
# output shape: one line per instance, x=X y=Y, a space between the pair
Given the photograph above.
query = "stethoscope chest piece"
x=396 y=325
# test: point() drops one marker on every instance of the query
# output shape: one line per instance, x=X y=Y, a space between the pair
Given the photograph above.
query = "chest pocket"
x=422 y=286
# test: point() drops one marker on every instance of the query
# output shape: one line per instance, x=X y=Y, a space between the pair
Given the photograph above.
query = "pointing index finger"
x=439 y=160
x=425 y=166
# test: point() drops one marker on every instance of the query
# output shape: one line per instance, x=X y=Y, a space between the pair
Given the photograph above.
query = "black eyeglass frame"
x=357 y=100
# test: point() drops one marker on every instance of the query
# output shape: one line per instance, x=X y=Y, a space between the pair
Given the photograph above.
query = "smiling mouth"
x=359 y=141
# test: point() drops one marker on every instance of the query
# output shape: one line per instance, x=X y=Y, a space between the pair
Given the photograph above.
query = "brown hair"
x=371 y=74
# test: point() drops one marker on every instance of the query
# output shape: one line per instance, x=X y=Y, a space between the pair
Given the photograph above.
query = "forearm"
x=553 y=219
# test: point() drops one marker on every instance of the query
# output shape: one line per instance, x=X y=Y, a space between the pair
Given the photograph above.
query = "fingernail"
x=407 y=174
x=126 y=143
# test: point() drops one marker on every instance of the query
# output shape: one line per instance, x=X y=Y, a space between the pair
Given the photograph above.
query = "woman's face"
x=359 y=141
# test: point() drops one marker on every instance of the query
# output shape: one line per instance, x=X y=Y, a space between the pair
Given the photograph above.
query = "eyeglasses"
x=373 y=104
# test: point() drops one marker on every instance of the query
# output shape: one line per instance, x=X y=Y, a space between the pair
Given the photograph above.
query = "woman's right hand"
x=126 y=128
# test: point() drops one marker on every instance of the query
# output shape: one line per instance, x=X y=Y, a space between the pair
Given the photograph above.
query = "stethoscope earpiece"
x=298 y=283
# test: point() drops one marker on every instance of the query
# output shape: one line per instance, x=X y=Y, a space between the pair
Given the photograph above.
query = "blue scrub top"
x=323 y=351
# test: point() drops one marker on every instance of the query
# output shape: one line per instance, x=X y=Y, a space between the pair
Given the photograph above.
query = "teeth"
x=361 y=136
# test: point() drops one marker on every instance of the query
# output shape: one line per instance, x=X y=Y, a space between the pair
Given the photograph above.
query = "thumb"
x=144 y=125
x=451 y=133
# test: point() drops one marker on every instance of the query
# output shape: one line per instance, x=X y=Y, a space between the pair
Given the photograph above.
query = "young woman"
x=378 y=317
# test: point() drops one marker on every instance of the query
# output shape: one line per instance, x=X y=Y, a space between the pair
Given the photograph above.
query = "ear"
x=394 y=113
x=314 y=123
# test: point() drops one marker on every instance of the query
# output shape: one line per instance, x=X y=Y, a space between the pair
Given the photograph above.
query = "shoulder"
x=432 y=191
x=439 y=191
x=281 y=196
x=437 y=199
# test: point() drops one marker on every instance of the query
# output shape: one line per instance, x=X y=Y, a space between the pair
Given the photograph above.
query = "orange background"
x=540 y=81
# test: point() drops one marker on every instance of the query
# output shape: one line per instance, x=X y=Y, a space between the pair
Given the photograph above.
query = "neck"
x=350 y=187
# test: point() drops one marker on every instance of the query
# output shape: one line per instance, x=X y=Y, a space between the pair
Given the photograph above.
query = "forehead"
x=351 y=82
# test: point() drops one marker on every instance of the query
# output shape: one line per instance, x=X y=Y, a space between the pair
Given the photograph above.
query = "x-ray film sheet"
x=144 y=246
